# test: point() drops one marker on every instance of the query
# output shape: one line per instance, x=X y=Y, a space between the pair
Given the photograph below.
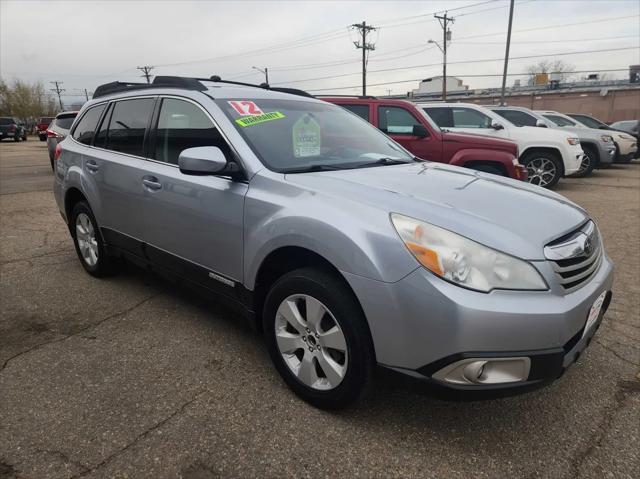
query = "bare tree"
x=25 y=101
x=561 y=69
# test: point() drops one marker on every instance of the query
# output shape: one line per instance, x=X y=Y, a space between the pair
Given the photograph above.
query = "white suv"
x=547 y=154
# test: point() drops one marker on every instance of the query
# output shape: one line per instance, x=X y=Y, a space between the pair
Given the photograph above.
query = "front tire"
x=88 y=241
x=588 y=162
x=543 y=168
x=318 y=338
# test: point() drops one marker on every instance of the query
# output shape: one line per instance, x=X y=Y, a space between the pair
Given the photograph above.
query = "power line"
x=146 y=72
x=484 y=60
x=479 y=75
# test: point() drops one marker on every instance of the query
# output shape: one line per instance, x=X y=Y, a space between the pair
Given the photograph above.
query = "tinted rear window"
x=87 y=125
x=361 y=110
x=518 y=118
x=46 y=119
x=65 y=121
x=128 y=124
x=6 y=121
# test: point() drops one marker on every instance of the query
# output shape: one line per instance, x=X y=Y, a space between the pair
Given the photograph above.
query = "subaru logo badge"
x=587 y=247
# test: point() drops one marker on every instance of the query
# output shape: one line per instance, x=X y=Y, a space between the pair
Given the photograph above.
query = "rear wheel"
x=16 y=138
x=588 y=162
x=318 y=338
x=543 y=168
x=88 y=241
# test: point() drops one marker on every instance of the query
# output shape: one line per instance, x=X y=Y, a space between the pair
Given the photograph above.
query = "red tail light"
x=58 y=152
x=53 y=134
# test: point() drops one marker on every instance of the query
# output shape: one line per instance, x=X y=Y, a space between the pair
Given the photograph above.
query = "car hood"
x=507 y=215
x=470 y=140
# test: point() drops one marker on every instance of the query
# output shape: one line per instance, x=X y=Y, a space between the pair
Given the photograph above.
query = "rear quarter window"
x=83 y=133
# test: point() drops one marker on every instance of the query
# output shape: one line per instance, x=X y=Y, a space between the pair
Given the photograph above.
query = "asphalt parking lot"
x=133 y=377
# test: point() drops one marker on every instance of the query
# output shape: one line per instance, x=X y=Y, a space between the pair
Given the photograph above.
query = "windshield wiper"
x=313 y=168
x=384 y=161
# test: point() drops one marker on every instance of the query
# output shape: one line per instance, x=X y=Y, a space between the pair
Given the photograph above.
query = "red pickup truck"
x=407 y=125
x=42 y=125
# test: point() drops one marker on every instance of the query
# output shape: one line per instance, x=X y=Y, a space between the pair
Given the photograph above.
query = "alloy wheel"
x=541 y=171
x=86 y=237
x=585 y=164
x=311 y=342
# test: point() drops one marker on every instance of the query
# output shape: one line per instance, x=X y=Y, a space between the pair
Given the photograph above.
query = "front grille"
x=579 y=265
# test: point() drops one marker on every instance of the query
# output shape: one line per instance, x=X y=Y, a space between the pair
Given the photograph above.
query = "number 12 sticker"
x=246 y=108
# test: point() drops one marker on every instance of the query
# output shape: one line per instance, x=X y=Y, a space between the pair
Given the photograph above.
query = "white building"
x=434 y=85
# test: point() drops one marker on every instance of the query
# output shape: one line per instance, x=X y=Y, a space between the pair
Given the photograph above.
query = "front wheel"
x=318 y=338
x=588 y=162
x=543 y=168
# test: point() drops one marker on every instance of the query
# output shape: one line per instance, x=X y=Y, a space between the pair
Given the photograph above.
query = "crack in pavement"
x=65 y=458
x=616 y=354
x=142 y=435
x=625 y=390
x=44 y=255
x=90 y=326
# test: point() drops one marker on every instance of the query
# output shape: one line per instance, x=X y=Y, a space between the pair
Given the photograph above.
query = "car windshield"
x=588 y=121
x=559 y=120
x=292 y=136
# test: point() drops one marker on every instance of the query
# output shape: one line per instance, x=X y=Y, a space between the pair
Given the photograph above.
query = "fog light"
x=481 y=371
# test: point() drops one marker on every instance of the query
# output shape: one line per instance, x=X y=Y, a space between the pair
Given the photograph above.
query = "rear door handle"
x=151 y=182
x=92 y=166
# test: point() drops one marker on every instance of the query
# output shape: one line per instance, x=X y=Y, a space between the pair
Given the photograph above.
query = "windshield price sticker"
x=246 y=108
x=306 y=137
x=256 y=119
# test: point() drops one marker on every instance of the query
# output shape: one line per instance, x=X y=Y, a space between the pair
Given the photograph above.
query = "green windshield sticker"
x=306 y=137
x=255 y=119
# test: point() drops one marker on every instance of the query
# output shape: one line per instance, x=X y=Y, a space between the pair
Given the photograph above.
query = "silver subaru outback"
x=345 y=250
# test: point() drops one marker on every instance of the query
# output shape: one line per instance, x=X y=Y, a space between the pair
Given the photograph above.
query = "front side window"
x=396 y=120
x=469 y=118
x=291 y=136
x=518 y=118
x=361 y=110
x=559 y=120
x=183 y=125
x=83 y=132
x=128 y=124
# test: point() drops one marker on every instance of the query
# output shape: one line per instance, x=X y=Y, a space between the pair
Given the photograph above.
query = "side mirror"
x=602 y=127
x=496 y=126
x=541 y=124
x=420 y=131
x=202 y=160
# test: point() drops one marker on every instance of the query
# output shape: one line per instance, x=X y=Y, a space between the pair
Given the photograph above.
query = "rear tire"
x=88 y=241
x=588 y=162
x=16 y=138
x=326 y=358
x=42 y=137
x=544 y=168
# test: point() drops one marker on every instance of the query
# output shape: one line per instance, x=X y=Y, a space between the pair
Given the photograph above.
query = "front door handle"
x=92 y=166
x=151 y=182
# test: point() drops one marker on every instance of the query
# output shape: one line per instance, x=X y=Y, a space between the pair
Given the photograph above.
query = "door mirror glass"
x=420 y=131
x=541 y=124
x=496 y=126
x=202 y=160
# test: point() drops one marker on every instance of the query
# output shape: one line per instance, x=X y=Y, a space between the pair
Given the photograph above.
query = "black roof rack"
x=362 y=97
x=184 y=83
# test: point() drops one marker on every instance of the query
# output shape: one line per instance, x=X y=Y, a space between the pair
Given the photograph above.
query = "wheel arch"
x=72 y=197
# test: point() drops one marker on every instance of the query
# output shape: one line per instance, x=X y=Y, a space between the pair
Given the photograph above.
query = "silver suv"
x=345 y=250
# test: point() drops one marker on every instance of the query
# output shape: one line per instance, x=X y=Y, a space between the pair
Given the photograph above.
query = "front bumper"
x=421 y=324
x=607 y=153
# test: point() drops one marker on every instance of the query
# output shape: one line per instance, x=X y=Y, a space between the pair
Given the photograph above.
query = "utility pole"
x=86 y=94
x=58 y=91
x=146 y=72
x=265 y=72
x=446 y=36
x=506 y=55
x=364 y=31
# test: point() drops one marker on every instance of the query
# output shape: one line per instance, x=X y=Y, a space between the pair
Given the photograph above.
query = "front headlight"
x=463 y=261
x=573 y=141
x=606 y=138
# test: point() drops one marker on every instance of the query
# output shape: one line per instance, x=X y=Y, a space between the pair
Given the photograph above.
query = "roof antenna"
x=215 y=78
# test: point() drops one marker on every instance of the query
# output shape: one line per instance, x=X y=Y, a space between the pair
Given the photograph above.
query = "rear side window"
x=361 y=110
x=395 y=120
x=128 y=125
x=87 y=125
x=518 y=118
x=183 y=125
x=441 y=116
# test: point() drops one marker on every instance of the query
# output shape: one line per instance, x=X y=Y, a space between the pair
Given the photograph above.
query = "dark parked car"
x=12 y=129
x=58 y=131
x=42 y=125
x=625 y=135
